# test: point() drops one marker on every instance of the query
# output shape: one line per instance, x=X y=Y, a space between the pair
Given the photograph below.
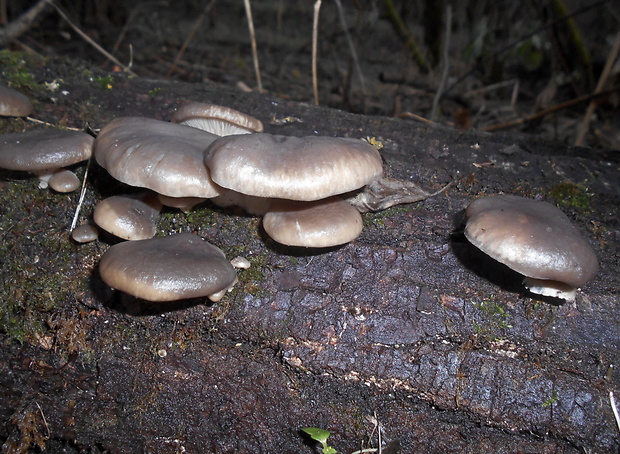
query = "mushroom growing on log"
x=534 y=238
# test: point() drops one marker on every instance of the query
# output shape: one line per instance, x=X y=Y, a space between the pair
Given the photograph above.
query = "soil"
x=407 y=330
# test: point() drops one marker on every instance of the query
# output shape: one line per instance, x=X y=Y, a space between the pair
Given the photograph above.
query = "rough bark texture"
x=408 y=324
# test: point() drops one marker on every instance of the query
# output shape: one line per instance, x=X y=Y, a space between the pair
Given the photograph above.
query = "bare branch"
x=22 y=24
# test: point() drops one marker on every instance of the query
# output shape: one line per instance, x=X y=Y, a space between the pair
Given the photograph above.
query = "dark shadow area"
x=484 y=266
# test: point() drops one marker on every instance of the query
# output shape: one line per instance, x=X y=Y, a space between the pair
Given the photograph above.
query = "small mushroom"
x=307 y=168
x=130 y=217
x=164 y=157
x=317 y=224
x=85 y=233
x=44 y=151
x=219 y=120
x=240 y=263
x=14 y=103
x=168 y=268
x=64 y=180
x=535 y=239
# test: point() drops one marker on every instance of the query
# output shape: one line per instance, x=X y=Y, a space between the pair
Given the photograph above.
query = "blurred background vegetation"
x=546 y=67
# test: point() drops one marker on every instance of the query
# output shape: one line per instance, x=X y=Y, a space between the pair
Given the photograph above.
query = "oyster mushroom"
x=44 y=152
x=306 y=168
x=535 y=239
x=168 y=268
x=219 y=120
x=14 y=103
x=321 y=223
x=130 y=217
x=167 y=158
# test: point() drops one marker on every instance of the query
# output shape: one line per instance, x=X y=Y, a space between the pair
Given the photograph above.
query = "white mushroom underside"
x=550 y=288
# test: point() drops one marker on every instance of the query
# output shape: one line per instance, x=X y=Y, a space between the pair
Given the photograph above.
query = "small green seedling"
x=320 y=435
x=551 y=400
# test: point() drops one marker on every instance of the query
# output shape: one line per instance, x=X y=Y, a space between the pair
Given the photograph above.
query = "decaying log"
x=408 y=328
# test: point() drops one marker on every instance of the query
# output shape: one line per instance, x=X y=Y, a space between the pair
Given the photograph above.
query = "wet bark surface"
x=408 y=326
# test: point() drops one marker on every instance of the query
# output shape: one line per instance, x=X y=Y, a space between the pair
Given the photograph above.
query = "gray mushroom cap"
x=164 y=157
x=321 y=223
x=44 y=150
x=64 y=180
x=130 y=217
x=14 y=103
x=167 y=268
x=219 y=120
x=534 y=238
x=306 y=168
x=85 y=233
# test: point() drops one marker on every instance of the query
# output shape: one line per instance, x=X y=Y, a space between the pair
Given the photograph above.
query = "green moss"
x=573 y=195
x=16 y=68
x=378 y=218
x=250 y=280
x=491 y=321
x=38 y=272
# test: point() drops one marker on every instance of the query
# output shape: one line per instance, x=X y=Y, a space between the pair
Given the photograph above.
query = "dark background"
x=537 y=54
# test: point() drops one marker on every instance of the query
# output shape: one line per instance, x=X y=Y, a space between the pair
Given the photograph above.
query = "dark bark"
x=408 y=323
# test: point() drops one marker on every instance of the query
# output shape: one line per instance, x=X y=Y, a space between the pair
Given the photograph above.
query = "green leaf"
x=320 y=435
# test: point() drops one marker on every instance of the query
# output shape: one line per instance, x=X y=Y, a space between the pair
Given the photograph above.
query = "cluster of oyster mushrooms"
x=309 y=191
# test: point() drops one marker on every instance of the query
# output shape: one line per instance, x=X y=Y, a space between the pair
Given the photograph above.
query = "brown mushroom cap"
x=167 y=268
x=130 y=217
x=321 y=223
x=44 y=150
x=307 y=168
x=164 y=157
x=534 y=238
x=219 y=120
x=14 y=103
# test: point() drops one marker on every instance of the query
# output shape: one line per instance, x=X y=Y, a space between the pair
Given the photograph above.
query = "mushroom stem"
x=386 y=192
x=217 y=296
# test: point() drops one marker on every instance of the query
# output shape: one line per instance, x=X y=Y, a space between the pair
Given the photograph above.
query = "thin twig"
x=356 y=61
x=585 y=124
x=315 y=37
x=446 y=64
x=121 y=35
x=22 y=24
x=76 y=215
x=379 y=428
x=41 y=122
x=406 y=35
x=415 y=117
x=189 y=38
x=44 y=420
x=542 y=113
x=248 y=12
x=614 y=408
x=3 y=14
x=89 y=40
